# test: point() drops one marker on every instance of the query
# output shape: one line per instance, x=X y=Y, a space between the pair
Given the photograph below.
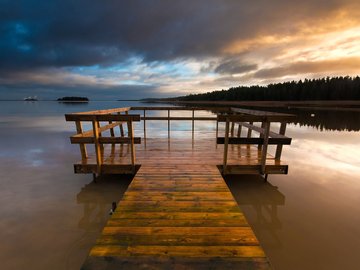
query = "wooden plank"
x=262 y=130
x=180 y=118
x=102 y=117
x=256 y=169
x=179 y=251
x=258 y=141
x=107 y=111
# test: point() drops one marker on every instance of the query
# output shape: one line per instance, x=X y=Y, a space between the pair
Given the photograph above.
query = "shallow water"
x=50 y=217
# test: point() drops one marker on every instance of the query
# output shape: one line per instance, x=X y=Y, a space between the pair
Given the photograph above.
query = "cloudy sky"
x=112 y=49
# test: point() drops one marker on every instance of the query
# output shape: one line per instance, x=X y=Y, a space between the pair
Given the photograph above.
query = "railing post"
x=239 y=131
x=144 y=124
x=265 y=145
x=232 y=128
x=249 y=130
x=261 y=135
x=79 y=130
x=169 y=124
x=121 y=127
x=193 y=124
x=112 y=134
x=95 y=124
x=226 y=144
x=280 y=146
x=217 y=128
x=132 y=145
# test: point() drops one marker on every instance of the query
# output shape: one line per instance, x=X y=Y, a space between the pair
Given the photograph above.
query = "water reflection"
x=347 y=119
x=264 y=199
x=96 y=198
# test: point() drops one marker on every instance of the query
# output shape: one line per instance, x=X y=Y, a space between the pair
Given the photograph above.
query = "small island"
x=73 y=99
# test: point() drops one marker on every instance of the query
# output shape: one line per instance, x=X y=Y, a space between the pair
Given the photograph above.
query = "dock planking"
x=177 y=213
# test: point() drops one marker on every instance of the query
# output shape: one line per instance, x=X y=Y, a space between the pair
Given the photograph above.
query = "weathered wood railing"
x=112 y=118
x=170 y=118
x=104 y=122
x=247 y=118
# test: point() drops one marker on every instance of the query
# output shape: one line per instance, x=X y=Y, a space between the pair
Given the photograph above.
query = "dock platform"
x=178 y=212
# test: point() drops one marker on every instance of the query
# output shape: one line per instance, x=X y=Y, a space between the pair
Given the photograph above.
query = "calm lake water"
x=50 y=217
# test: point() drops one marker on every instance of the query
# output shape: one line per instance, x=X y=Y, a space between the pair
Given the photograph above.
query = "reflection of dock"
x=96 y=198
x=178 y=212
x=264 y=198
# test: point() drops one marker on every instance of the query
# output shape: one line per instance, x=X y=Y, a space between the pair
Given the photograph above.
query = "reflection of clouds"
x=333 y=151
x=48 y=123
x=33 y=157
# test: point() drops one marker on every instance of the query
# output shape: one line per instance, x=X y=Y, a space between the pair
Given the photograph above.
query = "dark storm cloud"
x=74 y=33
x=234 y=67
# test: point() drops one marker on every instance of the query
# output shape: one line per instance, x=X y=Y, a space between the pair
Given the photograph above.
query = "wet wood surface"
x=178 y=213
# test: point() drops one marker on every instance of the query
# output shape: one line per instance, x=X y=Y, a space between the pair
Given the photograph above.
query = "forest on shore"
x=335 y=88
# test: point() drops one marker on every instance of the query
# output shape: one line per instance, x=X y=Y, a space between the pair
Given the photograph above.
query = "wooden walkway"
x=177 y=213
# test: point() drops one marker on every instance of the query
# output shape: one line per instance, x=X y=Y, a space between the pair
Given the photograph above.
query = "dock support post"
x=249 y=130
x=280 y=146
x=144 y=124
x=95 y=124
x=132 y=145
x=239 y=131
x=261 y=135
x=112 y=134
x=193 y=123
x=121 y=128
x=226 y=145
x=168 y=124
x=265 y=146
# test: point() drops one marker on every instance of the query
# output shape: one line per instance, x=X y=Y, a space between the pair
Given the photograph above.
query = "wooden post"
x=226 y=144
x=129 y=125
x=79 y=130
x=144 y=124
x=232 y=128
x=261 y=135
x=131 y=136
x=249 y=130
x=239 y=131
x=193 y=124
x=95 y=124
x=112 y=134
x=217 y=128
x=99 y=134
x=121 y=127
x=265 y=146
x=169 y=124
x=280 y=146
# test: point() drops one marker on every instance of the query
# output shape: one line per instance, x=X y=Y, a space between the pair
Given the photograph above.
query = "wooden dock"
x=178 y=212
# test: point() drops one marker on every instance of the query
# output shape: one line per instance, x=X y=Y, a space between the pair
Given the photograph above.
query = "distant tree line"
x=336 y=88
x=73 y=99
